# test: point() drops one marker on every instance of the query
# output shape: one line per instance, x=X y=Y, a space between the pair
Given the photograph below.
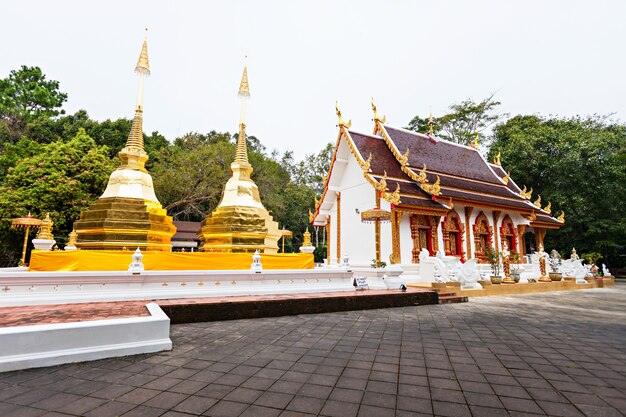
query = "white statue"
x=469 y=275
x=136 y=266
x=574 y=256
x=256 y=262
x=437 y=275
x=441 y=254
x=605 y=271
x=424 y=254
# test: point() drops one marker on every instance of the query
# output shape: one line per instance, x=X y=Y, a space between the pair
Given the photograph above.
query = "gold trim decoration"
x=532 y=217
x=45 y=228
x=450 y=204
x=306 y=238
x=431 y=124
x=561 y=217
x=506 y=179
x=548 y=208
x=537 y=202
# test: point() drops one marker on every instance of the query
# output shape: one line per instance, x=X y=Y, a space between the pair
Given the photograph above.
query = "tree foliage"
x=26 y=95
x=463 y=122
x=578 y=164
x=61 y=178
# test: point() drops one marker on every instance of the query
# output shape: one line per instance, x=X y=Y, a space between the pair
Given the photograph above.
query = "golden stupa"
x=128 y=214
x=240 y=223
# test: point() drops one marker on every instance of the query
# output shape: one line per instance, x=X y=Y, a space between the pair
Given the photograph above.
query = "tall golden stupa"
x=240 y=223
x=128 y=214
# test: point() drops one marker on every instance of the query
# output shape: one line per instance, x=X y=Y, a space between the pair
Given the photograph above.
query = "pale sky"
x=545 y=57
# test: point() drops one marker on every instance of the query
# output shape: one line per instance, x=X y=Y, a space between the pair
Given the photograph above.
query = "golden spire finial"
x=537 y=202
x=376 y=116
x=561 y=218
x=241 y=156
x=431 y=122
x=244 y=87
x=134 y=155
x=340 y=117
x=143 y=63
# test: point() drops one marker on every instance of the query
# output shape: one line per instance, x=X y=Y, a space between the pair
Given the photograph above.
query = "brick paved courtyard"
x=557 y=354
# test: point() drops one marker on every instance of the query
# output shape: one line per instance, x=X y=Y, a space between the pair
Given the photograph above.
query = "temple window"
x=483 y=237
x=452 y=229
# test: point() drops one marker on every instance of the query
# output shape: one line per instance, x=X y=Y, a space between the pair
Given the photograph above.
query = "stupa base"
x=118 y=223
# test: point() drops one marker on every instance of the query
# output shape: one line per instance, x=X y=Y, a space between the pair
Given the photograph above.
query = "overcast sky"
x=545 y=57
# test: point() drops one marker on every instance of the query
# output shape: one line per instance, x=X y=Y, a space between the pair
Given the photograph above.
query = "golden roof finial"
x=341 y=122
x=382 y=184
x=241 y=155
x=431 y=122
x=366 y=165
x=404 y=159
x=451 y=204
x=537 y=202
x=422 y=175
x=143 y=63
x=435 y=189
x=561 y=218
x=376 y=116
x=496 y=159
x=475 y=143
x=506 y=179
x=548 y=208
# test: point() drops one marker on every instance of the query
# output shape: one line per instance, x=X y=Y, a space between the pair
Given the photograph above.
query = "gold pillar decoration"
x=396 y=218
x=240 y=223
x=339 y=226
x=468 y=238
x=377 y=228
x=521 y=231
x=128 y=214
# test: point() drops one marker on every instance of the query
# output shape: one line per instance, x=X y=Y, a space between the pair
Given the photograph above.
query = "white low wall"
x=35 y=288
x=40 y=345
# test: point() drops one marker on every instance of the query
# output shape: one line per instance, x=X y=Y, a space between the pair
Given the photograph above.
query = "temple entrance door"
x=529 y=241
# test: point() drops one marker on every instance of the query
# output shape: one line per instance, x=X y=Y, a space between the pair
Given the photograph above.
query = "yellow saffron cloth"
x=96 y=260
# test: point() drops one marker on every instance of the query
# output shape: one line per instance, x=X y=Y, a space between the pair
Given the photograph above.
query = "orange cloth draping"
x=95 y=260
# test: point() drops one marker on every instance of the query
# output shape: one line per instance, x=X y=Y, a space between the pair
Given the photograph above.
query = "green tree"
x=27 y=95
x=463 y=122
x=62 y=178
x=577 y=164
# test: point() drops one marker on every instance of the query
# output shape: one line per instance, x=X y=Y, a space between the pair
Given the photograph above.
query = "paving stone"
x=306 y=405
x=339 y=409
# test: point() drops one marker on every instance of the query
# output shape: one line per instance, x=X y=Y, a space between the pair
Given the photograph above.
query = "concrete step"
x=452 y=298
